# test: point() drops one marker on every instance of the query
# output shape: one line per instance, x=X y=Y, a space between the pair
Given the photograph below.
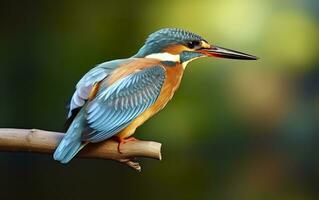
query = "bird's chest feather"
x=171 y=84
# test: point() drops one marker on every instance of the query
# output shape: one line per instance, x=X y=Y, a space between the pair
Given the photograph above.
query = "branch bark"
x=40 y=141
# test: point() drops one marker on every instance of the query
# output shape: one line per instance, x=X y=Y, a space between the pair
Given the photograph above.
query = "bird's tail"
x=71 y=143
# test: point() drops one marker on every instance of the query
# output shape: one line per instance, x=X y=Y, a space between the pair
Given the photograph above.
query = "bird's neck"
x=184 y=58
x=167 y=57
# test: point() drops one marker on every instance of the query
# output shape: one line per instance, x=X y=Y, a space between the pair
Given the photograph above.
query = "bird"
x=116 y=97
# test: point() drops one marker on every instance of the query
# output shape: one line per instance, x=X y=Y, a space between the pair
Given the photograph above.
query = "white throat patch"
x=164 y=57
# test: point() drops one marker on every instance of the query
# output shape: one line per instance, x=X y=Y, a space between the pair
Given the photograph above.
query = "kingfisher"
x=114 y=98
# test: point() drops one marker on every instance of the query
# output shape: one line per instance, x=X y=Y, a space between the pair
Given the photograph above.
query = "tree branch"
x=40 y=141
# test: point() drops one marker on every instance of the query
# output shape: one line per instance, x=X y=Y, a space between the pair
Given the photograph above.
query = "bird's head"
x=177 y=45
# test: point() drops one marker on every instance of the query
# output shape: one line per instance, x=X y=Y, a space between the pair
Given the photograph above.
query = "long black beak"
x=220 y=52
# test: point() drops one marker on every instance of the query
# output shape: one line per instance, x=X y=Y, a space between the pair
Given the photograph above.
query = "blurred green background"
x=235 y=130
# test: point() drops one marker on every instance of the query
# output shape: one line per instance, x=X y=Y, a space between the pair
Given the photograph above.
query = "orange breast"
x=171 y=84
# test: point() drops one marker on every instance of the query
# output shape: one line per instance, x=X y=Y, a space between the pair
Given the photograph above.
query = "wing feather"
x=117 y=105
x=85 y=85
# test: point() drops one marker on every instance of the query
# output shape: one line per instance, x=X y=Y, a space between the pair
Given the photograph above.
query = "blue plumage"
x=159 y=40
x=116 y=106
x=95 y=75
x=71 y=143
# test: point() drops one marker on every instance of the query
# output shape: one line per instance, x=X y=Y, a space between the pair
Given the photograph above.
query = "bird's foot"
x=134 y=165
x=122 y=141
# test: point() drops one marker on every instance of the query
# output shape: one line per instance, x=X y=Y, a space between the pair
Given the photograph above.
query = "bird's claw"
x=122 y=141
x=134 y=165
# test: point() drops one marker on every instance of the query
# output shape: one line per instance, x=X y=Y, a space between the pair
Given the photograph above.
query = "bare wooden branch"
x=40 y=141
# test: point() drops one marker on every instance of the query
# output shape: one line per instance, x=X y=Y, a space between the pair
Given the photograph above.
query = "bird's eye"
x=193 y=44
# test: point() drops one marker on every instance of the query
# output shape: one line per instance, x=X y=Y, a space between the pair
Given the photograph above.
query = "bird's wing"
x=87 y=82
x=116 y=106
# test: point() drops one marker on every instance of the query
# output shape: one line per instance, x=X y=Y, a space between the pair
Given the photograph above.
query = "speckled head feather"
x=175 y=35
x=161 y=39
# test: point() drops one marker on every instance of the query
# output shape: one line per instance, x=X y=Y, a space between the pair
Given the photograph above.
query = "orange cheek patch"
x=176 y=49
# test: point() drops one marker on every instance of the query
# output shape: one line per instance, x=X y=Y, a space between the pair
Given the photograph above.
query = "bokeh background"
x=235 y=130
